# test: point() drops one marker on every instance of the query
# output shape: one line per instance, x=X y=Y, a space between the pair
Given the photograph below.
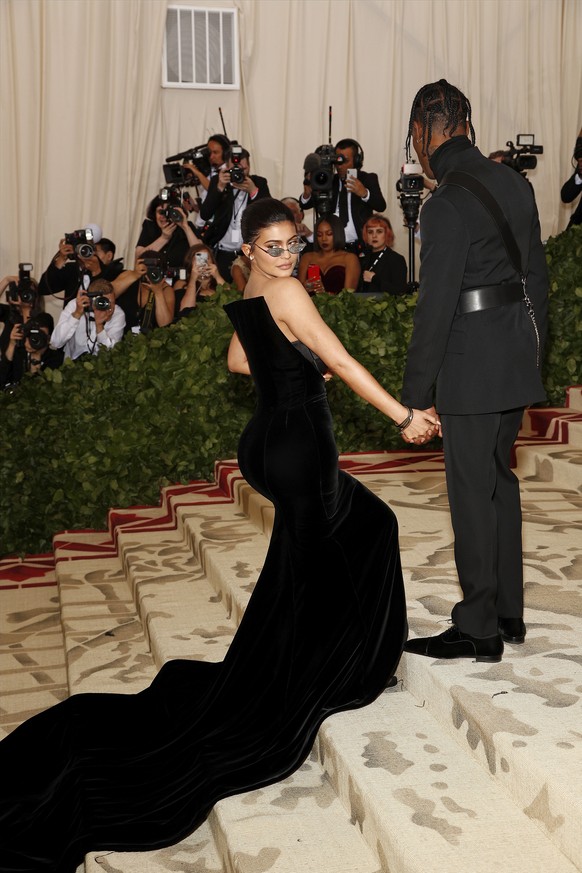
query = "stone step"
x=421 y=804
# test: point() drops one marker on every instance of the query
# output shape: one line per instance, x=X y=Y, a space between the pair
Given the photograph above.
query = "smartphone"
x=201 y=259
x=352 y=173
x=313 y=273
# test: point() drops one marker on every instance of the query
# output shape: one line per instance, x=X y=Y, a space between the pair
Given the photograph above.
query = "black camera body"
x=410 y=189
x=199 y=156
x=522 y=157
x=97 y=300
x=236 y=172
x=159 y=269
x=178 y=174
x=82 y=242
x=37 y=338
x=171 y=198
x=22 y=291
x=319 y=168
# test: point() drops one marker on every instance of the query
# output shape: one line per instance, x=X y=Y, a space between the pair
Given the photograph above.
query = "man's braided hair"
x=443 y=103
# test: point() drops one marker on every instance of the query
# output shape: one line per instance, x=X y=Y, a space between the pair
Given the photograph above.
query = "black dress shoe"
x=512 y=630
x=453 y=643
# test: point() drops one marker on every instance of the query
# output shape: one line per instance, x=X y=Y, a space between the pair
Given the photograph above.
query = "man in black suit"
x=476 y=337
x=224 y=204
x=355 y=193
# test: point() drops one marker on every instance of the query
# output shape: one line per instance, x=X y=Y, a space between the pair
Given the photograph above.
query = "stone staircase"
x=460 y=766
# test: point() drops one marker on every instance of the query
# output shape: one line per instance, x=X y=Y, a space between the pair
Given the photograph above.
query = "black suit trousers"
x=486 y=515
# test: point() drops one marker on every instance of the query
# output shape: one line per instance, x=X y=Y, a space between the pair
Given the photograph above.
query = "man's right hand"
x=83 y=303
x=223 y=179
x=65 y=253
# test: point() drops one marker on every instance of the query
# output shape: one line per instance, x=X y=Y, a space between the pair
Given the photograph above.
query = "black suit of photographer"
x=68 y=278
x=218 y=207
x=361 y=210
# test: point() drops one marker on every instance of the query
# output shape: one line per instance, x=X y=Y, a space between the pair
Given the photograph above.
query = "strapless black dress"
x=323 y=632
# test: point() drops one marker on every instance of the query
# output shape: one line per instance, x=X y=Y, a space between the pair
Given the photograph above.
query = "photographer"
x=89 y=322
x=228 y=195
x=27 y=350
x=70 y=270
x=355 y=193
x=146 y=294
x=573 y=187
x=202 y=279
x=160 y=234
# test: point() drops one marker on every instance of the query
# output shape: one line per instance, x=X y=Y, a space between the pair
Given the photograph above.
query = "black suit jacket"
x=483 y=361
x=570 y=190
x=389 y=270
x=361 y=211
x=218 y=206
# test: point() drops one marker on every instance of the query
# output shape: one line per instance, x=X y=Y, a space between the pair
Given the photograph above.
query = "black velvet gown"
x=323 y=632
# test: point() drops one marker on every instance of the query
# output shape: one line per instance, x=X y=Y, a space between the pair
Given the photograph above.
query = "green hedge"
x=563 y=359
x=159 y=409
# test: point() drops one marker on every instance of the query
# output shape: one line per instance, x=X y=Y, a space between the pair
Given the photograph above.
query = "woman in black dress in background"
x=323 y=630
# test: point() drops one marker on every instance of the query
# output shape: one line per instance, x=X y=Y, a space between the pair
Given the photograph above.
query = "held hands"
x=424 y=426
x=83 y=304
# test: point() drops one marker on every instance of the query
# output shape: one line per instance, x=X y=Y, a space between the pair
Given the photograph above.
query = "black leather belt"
x=476 y=299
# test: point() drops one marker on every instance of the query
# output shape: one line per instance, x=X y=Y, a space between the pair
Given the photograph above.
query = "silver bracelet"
x=404 y=424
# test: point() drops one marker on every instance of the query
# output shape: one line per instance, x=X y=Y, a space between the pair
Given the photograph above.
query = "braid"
x=440 y=102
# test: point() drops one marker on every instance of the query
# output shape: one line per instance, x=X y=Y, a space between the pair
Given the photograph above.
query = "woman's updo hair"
x=261 y=214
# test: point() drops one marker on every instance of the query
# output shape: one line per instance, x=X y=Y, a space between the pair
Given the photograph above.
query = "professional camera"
x=23 y=290
x=97 y=300
x=82 y=242
x=199 y=156
x=159 y=269
x=171 y=198
x=522 y=157
x=178 y=174
x=410 y=187
x=37 y=338
x=237 y=174
x=319 y=168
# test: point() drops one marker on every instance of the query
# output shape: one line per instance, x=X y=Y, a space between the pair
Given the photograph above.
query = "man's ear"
x=417 y=131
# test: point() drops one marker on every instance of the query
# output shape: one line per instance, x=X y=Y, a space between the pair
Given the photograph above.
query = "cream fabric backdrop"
x=86 y=125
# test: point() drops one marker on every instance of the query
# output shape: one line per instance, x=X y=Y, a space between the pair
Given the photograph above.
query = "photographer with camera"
x=146 y=295
x=201 y=280
x=77 y=263
x=24 y=340
x=573 y=187
x=27 y=350
x=89 y=322
x=166 y=229
x=355 y=194
x=229 y=193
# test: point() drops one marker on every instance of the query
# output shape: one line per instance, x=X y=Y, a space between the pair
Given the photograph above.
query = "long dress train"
x=323 y=632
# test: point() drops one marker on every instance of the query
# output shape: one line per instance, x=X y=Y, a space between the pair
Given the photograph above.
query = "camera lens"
x=84 y=250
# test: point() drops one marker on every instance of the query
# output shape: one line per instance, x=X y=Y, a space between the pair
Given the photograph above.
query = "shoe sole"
x=489 y=659
x=516 y=640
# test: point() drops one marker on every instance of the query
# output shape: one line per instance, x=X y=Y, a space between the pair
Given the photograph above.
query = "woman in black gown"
x=323 y=631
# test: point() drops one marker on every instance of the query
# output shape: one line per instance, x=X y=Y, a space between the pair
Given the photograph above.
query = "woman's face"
x=378 y=236
x=161 y=219
x=325 y=237
x=279 y=235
